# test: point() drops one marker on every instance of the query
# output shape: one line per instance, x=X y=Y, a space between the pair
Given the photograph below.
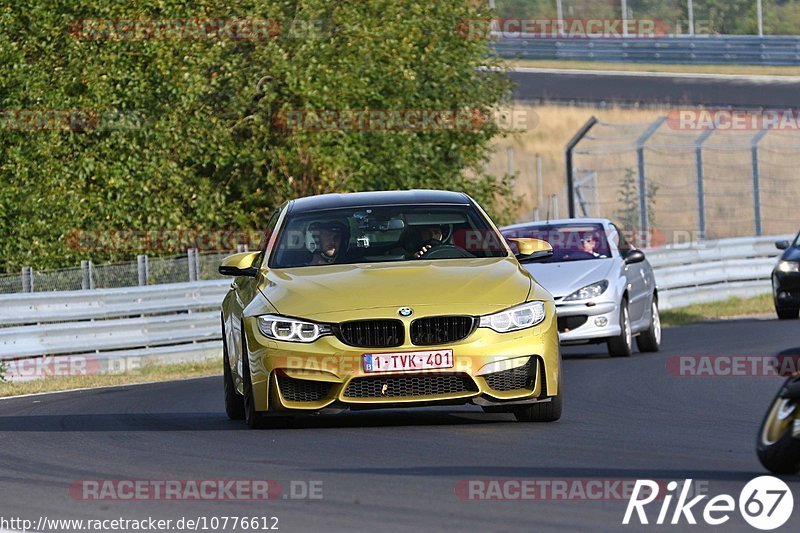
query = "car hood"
x=562 y=279
x=470 y=286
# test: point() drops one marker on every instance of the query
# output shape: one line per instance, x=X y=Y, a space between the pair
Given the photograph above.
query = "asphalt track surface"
x=626 y=88
x=397 y=470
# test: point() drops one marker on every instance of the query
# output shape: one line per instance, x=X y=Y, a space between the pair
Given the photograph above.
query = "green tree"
x=208 y=152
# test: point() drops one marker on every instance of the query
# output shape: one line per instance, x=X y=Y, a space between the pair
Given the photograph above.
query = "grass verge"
x=145 y=374
x=727 y=309
x=747 y=70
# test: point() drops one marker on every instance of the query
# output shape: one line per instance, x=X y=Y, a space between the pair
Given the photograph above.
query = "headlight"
x=520 y=317
x=789 y=266
x=587 y=293
x=281 y=328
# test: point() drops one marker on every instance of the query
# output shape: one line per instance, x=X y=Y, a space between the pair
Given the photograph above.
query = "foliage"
x=199 y=145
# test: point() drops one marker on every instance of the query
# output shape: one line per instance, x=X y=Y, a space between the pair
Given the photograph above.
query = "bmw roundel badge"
x=405 y=311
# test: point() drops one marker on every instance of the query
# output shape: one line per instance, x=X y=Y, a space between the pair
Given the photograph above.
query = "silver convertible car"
x=604 y=288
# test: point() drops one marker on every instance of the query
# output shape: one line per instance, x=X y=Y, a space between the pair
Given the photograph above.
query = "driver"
x=427 y=238
x=589 y=244
x=325 y=241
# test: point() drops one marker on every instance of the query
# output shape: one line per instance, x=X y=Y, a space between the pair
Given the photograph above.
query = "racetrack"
x=673 y=89
x=391 y=470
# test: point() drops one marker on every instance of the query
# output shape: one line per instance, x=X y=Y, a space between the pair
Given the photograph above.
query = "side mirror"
x=239 y=265
x=532 y=250
x=633 y=257
x=782 y=245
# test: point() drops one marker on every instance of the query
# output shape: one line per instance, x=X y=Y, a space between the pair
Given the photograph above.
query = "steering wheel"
x=445 y=251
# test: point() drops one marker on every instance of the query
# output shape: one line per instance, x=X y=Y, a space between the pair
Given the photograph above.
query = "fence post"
x=539 y=185
x=190 y=256
x=701 y=197
x=757 y=179
x=142 y=268
x=512 y=168
x=197 y=270
x=570 y=171
x=644 y=215
x=27 y=279
x=86 y=275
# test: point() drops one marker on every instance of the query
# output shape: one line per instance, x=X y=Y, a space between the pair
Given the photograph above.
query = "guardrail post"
x=142 y=268
x=87 y=283
x=27 y=279
x=570 y=171
x=701 y=198
x=644 y=215
x=757 y=179
x=191 y=256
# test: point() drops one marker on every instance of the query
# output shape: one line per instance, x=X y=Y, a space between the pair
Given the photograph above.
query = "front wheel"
x=777 y=449
x=234 y=403
x=787 y=314
x=545 y=411
x=650 y=339
x=622 y=344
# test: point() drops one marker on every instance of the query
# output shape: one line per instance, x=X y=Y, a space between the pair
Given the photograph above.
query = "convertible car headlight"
x=519 y=317
x=587 y=293
x=789 y=266
x=281 y=328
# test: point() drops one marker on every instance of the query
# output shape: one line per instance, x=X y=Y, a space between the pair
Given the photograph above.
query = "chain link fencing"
x=673 y=185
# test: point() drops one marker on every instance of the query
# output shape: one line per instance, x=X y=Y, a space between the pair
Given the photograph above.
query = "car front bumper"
x=327 y=373
x=583 y=322
x=786 y=289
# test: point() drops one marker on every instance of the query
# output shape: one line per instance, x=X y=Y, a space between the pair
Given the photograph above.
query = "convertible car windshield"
x=384 y=234
x=570 y=242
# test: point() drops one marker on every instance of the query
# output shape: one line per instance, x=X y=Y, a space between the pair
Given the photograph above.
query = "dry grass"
x=549 y=128
x=728 y=309
x=145 y=374
x=747 y=70
x=670 y=159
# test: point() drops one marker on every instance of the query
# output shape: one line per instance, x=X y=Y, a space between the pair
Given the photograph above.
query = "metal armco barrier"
x=709 y=50
x=180 y=322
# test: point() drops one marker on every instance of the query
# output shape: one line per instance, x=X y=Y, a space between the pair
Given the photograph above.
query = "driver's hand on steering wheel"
x=425 y=249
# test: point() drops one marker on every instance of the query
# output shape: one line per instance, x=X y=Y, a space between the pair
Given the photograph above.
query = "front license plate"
x=408 y=361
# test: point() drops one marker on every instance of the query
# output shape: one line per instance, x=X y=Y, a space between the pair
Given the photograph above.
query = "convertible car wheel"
x=650 y=339
x=622 y=344
x=787 y=314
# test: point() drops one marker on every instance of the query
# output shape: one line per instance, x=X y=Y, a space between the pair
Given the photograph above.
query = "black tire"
x=234 y=403
x=622 y=344
x=545 y=411
x=650 y=340
x=778 y=454
x=254 y=419
x=787 y=314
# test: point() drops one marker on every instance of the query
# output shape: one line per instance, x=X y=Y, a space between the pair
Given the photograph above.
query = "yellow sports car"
x=387 y=299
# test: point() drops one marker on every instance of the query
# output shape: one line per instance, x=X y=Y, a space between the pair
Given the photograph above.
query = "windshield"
x=384 y=234
x=570 y=242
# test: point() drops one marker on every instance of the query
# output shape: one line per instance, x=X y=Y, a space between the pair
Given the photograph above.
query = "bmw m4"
x=388 y=299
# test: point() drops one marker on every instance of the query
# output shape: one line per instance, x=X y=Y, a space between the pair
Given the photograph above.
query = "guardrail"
x=714 y=270
x=110 y=329
x=180 y=322
x=739 y=50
